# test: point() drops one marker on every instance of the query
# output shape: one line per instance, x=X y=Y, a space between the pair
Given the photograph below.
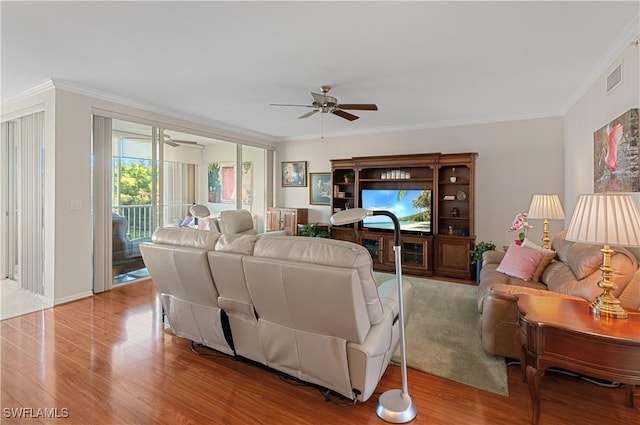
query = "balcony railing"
x=139 y=218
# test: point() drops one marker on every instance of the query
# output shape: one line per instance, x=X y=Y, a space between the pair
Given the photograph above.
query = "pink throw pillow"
x=520 y=262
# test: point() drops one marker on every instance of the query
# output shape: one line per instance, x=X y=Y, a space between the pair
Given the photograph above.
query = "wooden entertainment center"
x=444 y=249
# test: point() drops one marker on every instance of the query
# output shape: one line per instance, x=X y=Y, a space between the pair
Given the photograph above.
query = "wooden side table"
x=561 y=332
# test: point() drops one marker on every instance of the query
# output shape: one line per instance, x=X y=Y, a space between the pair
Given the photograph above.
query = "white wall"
x=516 y=159
x=591 y=112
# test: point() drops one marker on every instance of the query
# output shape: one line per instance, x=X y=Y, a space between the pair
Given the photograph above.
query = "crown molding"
x=59 y=84
x=39 y=88
x=132 y=103
x=628 y=36
x=418 y=127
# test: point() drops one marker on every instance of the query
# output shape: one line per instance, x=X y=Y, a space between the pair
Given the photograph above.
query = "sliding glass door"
x=154 y=176
x=134 y=165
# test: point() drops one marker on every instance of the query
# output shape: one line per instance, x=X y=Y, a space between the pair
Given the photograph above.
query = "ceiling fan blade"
x=286 y=104
x=308 y=114
x=359 y=106
x=184 y=142
x=344 y=114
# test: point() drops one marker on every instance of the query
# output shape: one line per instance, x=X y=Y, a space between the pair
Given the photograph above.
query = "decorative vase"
x=453 y=179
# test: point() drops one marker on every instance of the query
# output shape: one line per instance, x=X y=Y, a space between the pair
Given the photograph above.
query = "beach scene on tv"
x=411 y=207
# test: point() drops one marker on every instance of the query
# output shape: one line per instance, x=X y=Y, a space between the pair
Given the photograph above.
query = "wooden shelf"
x=440 y=253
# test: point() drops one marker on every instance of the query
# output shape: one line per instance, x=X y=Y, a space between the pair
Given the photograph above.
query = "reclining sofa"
x=307 y=307
x=573 y=271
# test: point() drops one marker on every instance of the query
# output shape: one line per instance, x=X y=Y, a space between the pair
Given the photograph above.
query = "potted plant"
x=454 y=176
x=476 y=255
x=348 y=176
x=215 y=187
x=312 y=230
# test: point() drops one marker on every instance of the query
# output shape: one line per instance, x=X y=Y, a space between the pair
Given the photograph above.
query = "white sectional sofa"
x=307 y=307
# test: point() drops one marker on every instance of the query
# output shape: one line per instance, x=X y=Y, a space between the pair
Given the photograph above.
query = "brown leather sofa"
x=307 y=307
x=573 y=273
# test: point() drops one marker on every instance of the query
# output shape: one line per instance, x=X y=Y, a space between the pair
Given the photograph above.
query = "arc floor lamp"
x=394 y=406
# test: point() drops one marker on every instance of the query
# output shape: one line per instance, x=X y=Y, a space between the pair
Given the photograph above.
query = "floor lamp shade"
x=546 y=207
x=199 y=211
x=606 y=219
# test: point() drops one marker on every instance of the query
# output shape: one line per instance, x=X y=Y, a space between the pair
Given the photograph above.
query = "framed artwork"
x=222 y=182
x=615 y=158
x=294 y=173
x=320 y=188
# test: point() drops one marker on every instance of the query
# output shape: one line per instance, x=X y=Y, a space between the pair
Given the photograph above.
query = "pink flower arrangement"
x=521 y=225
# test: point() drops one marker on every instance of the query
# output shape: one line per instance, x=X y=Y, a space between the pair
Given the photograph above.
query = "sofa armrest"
x=388 y=293
x=500 y=318
x=492 y=257
x=369 y=360
x=275 y=233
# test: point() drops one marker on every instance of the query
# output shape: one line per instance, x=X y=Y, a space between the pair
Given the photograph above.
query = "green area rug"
x=443 y=335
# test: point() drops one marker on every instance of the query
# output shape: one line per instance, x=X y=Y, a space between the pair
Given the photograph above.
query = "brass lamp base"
x=606 y=304
x=546 y=240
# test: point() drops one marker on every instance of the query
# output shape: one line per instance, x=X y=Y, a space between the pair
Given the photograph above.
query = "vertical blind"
x=102 y=187
x=27 y=211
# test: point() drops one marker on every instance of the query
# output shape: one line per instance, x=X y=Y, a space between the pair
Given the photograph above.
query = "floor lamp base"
x=396 y=407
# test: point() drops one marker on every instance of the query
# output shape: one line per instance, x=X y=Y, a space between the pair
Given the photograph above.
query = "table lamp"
x=607 y=219
x=394 y=406
x=546 y=207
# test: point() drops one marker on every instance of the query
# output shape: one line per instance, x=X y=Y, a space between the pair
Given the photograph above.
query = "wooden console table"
x=560 y=332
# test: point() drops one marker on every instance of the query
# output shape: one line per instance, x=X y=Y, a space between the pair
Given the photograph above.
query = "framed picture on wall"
x=294 y=173
x=320 y=188
x=616 y=165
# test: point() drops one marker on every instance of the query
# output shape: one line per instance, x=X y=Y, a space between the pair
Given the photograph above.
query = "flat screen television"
x=412 y=207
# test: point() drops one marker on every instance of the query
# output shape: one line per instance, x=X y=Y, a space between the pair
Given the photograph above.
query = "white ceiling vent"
x=614 y=79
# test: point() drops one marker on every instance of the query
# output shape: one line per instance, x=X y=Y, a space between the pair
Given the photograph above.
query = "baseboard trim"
x=73 y=297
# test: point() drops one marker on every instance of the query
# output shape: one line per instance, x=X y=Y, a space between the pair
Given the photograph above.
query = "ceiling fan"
x=167 y=139
x=175 y=143
x=329 y=104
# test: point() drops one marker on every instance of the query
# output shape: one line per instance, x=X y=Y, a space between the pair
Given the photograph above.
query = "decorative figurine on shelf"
x=455 y=212
x=453 y=177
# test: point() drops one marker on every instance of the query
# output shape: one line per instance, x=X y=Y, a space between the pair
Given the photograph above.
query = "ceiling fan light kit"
x=329 y=104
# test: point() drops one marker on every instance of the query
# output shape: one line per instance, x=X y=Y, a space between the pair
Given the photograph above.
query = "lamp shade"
x=605 y=218
x=546 y=206
x=199 y=211
x=352 y=215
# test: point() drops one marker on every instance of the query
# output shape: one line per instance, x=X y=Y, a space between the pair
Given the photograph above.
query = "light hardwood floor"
x=107 y=360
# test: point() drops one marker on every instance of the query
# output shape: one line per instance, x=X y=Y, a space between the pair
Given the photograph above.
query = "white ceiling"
x=425 y=64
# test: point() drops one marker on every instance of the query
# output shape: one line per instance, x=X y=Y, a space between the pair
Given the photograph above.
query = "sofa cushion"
x=330 y=252
x=547 y=256
x=236 y=221
x=520 y=262
x=236 y=243
x=583 y=259
x=184 y=236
